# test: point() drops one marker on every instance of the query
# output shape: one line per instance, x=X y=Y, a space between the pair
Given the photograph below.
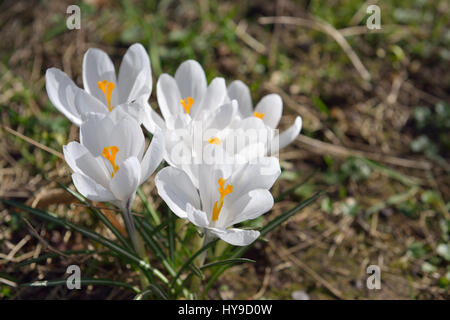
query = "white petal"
x=239 y=91
x=168 y=96
x=236 y=237
x=286 y=137
x=222 y=116
x=94 y=133
x=177 y=190
x=81 y=161
x=153 y=156
x=272 y=108
x=196 y=216
x=248 y=131
x=126 y=180
x=85 y=103
x=127 y=135
x=152 y=121
x=90 y=189
x=61 y=91
x=249 y=206
x=97 y=66
x=250 y=153
x=191 y=81
x=136 y=108
x=214 y=97
x=135 y=75
x=251 y=176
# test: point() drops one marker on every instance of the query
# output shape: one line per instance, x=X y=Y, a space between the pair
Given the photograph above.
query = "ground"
x=375 y=139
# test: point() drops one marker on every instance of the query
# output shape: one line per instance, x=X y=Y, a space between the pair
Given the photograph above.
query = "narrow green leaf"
x=226 y=262
x=266 y=229
x=191 y=260
x=100 y=216
x=292 y=189
x=92 y=235
x=171 y=234
x=152 y=289
x=149 y=207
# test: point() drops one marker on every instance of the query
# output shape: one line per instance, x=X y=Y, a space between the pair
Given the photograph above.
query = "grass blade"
x=152 y=289
x=100 y=216
x=191 y=260
x=149 y=207
x=226 y=262
x=92 y=235
x=292 y=189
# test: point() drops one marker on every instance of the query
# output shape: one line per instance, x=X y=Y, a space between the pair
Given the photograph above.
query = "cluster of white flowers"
x=212 y=180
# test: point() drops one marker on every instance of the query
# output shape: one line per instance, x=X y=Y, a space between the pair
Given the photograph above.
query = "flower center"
x=187 y=104
x=110 y=154
x=214 y=140
x=224 y=191
x=107 y=89
x=258 y=115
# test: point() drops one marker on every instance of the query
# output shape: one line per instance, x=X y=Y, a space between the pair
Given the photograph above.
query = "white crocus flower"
x=269 y=109
x=186 y=140
x=109 y=162
x=186 y=95
x=226 y=195
x=102 y=90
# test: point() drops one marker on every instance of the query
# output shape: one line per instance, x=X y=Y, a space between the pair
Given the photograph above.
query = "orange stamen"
x=224 y=191
x=110 y=154
x=258 y=115
x=107 y=89
x=187 y=104
x=214 y=140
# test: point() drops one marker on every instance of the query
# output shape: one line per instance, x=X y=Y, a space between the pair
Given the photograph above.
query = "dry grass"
x=369 y=95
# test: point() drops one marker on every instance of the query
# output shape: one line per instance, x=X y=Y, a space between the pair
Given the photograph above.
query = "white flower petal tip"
x=135 y=74
x=177 y=190
x=197 y=217
x=153 y=156
x=236 y=237
x=61 y=91
x=152 y=121
x=126 y=180
x=287 y=137
x=239 y=91
x=90 y=189
x=270 y=108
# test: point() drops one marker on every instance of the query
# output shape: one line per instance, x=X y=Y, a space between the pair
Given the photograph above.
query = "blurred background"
x=376 y=119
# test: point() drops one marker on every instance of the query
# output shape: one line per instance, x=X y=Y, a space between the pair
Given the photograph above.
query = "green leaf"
x=92 y=235
x=226 y=262
x=292 y=189
x=191 y=260
x=267 y=228
x=171 y=234
x=149 y=207
x=152 y=289
x=100 y=216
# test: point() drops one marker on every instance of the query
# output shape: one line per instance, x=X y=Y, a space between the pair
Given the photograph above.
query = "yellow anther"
x=110 y=154
x=214 y=140
x=187 y=104
x=107 y=89
x=258 y=115
x=224 y=191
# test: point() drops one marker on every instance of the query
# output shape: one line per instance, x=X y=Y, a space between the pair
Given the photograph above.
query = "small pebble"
x=300 y=295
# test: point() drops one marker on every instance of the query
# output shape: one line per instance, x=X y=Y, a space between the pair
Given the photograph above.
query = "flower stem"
x=138 y=244
x=199 y=242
